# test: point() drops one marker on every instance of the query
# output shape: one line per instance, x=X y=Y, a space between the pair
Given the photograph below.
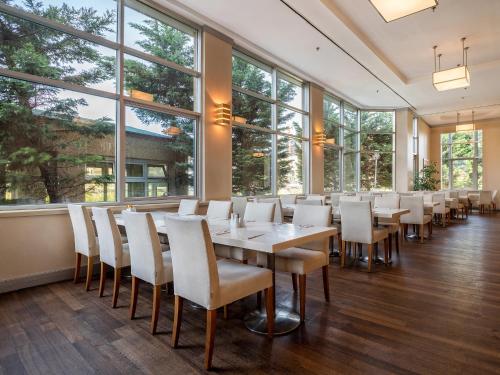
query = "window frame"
x=119 y=96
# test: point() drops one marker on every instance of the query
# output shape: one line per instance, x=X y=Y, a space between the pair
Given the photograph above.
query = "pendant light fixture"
x=467 y=127
x=453 y=78
x=391 y=10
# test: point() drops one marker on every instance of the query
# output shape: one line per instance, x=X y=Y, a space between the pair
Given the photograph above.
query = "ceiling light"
x=453 y=78
x=465 y=127
x=391 y=10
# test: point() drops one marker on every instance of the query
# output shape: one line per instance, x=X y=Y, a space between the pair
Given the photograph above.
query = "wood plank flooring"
x=436 y=310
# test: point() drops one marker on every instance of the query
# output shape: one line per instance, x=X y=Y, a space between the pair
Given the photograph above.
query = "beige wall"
x=316 y=119
x=424 y=133
x=217 y=141
x=403 y=158
x=491 y=154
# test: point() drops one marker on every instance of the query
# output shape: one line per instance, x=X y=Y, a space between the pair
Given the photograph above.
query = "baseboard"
x=36 y=280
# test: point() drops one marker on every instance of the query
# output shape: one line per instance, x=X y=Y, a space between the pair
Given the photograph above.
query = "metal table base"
x=285 y=321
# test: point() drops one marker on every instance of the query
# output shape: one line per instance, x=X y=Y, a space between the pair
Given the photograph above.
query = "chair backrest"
x=259 y=212
x=188 y=207
x=83 y=230
x=485 y=197
x=368 y=197
x=316 y=197
x=219 y=210
x=357 y=221
x=194 y=264
x=335 y=197
x=320 y=216
x=441 y=199
x=309 y=202
x=494 y=195
x=416 y=207
x=288 y=198
x=278 y=210
x=350 y=198
x=454 y=194
x=146 y=261
x=387 y=201
x=239 y=205
x=109 y=237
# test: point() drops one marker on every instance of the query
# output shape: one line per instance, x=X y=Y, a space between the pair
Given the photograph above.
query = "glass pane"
x=332 y=131
x=157 y=171
x=157 y=83
x=462 y=150
x=350 y=140
x=350 y=163
x=157 y=189
x=252 y=161
x=251 y=77
x=290 y=167
x=48 y=138
x=290 y=92
x=462 y=137
x=100 y=186
x=30 y=48
x=479 y=143
x=445 y=150
x=290 y=122
x=96 y=17
x=376 y=142
x=332 y=169
x=462 y=174
x=377 y=122
x=331 y=110
x=160 y=138
x=134 y=170
x=480 y=174
x=157 y=34
x=350 y=117
x=445 y=175
x=251 y=110
x=134 y=189
x=376 y=171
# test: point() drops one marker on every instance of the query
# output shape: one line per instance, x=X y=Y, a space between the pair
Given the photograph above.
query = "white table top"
x=264 y=237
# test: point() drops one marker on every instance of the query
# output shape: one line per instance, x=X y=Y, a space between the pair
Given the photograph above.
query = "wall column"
x=404 y=156
x=216 y=147
x=316 y=170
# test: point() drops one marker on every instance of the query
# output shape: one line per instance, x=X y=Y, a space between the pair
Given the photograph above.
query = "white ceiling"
x=399 y=53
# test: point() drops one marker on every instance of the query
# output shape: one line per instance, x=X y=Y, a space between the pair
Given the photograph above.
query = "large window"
x=351 y=147
x=270 y=134
x=461 y=160
x=332 y=151
x=62 y=86
x=377 y=150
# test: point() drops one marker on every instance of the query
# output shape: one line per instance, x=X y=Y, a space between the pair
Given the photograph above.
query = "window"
x=350 y=148
x=332 y=151
x=59 y=98
x=377 y=150
x=270 y=136
x=461 y=160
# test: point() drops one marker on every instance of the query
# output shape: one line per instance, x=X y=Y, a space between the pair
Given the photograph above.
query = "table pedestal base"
x=285 y=321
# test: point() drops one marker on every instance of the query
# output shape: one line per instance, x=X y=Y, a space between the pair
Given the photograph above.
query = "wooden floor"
x=436 y=310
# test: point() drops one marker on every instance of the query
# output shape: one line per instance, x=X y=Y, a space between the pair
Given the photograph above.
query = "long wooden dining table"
x=269 y=238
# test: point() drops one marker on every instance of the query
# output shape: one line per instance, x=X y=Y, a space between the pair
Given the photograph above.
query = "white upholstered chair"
x=262 y=212
x=278 y=209
x=441 y=211
x=199 y=278
x=494 y=199
x=113 y=252
x=85 y=241
x=416 y=215
x=309 y=202
x=392 y=226
x=313 y=197
x=456 y=205
x=349 y=198
x=307 y=258
x=239 y=205
x=357 y=227
x=188 y=207
x=288 y=198
x=147 y=262
x=219 y=210
x=485 y=200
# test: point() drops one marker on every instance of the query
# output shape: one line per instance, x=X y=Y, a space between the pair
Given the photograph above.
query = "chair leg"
x=398 y=239
x=225 y=312
x=302 y=292
x=294 y=281
x=102 y=279
x=326 y=284
x=370 y=257
x=390 y=245
x=78 y=262
x=177 y=321
x=342 y=254
x=156 y=308
x=421 y=233
x=270 y=311
x=210 y=338
x=387 y=246
x=90 y=270
x=116 y=286
x=133 y=296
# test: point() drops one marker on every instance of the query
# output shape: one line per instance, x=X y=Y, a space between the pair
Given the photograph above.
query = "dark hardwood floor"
x=436 y=310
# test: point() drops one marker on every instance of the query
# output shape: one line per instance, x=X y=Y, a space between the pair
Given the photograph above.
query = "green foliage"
x=427 y=180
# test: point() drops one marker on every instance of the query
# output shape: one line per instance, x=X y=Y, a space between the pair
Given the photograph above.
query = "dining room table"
x=268 y=238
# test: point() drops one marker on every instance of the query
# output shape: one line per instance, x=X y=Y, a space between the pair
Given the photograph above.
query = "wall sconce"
x=223 y=114
x=320 y=139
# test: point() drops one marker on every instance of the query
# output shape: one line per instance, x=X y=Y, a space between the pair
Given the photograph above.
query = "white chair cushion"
x=296 y=260
x=427 y=218
x=237 y=280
